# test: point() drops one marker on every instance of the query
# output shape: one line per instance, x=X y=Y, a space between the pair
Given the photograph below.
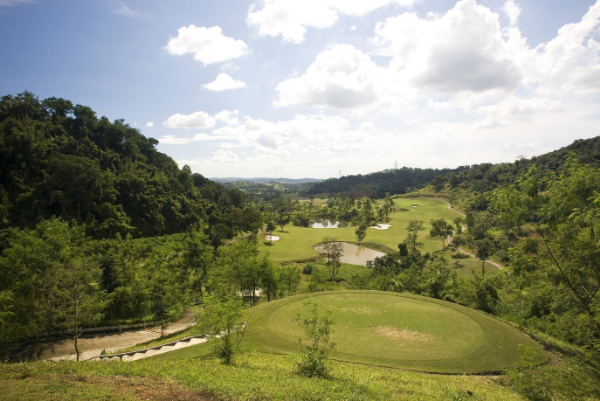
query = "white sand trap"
x=415 y=205
x=272 y=238
x=381 y=226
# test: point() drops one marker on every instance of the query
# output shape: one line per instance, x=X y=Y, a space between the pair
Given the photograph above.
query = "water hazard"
x=357 y=255
x=328 y=224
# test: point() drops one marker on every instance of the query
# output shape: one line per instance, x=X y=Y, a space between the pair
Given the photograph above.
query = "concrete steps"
x=159 y=349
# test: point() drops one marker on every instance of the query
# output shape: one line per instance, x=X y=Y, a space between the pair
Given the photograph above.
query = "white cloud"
x=173 y=140
x=14 y=3
x=512 y=11
x=353 y=28
x=120 y=8
x=230 y=67
x=283 y=138
x=463 y=51
x=229 y=117
x=150 y=124
x=289 y=18
x=198 y=119
x=514 y=108
x=517 y=145
x=342 y=77
x=224 y=82
x=430 y=57
x=569 y=62
x=225 y=156
x=208 y=45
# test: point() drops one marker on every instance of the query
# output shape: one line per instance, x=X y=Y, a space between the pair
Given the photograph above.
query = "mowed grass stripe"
x=432 y=336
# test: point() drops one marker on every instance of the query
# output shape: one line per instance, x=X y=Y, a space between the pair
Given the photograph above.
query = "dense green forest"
x=94 y=218
x=376 y=185
x=59 y=160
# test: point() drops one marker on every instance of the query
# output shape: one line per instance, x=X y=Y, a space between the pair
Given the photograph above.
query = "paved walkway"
x=92 y=345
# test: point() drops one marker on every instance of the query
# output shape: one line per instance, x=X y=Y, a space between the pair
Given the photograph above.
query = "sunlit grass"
x=296 y=243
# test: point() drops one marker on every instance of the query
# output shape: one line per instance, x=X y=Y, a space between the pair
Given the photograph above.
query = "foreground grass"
x=191 y=373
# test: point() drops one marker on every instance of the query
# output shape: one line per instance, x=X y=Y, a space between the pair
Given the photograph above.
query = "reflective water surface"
x=357 y=255
x=328 y=224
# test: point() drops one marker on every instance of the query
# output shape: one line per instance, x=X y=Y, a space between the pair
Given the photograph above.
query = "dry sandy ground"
x=92 y=345
x=381 y=226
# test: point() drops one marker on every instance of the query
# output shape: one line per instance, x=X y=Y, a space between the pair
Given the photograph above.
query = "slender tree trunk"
x=483 y=267
x=76 y=330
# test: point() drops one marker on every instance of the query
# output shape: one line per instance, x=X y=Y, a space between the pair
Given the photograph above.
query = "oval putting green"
x=397 y=330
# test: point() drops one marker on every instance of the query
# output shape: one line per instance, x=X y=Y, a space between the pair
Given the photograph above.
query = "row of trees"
x=54 y=277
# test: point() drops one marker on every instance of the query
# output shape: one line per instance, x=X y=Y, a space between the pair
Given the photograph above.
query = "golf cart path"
x=491 y=262
x=91 y=346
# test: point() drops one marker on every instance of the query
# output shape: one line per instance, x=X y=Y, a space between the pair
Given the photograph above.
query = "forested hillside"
x=541 y=218
x=470 y=187
x=60 y=160
x=396 y=181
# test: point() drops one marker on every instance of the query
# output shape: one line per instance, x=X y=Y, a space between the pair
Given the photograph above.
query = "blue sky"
x=306 y=88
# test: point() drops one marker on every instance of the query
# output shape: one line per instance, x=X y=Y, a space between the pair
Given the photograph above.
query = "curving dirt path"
x=491 y=262
x=92 y=345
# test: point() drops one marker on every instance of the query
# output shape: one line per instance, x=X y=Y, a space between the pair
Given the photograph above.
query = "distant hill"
x=394 y=181
x=266 y=180
x=471 y=188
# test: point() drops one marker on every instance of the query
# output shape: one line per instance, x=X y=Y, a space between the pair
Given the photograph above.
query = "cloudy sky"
x=309 y=88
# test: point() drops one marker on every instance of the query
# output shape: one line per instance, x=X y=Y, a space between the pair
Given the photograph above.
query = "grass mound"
x=397 y=330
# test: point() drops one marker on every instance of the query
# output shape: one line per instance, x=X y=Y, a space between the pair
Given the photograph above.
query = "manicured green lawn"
x=297 y=243
x=396 y=330
x=465 y=267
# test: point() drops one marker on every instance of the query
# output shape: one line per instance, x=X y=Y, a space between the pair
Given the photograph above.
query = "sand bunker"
x=272 y=238
x=381 y=226
x=403 y=334
x=415 y=205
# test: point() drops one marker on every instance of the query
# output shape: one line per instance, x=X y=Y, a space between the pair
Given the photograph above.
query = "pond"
x=357 y=255
x=328 y=224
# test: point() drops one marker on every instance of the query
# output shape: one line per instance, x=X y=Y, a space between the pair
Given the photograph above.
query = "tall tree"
x=413 y=228
x=332 y=251
x=224 y=321
x=440 y=229
x=80 y=299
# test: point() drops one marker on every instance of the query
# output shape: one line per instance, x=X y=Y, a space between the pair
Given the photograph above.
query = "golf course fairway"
x=396 y=330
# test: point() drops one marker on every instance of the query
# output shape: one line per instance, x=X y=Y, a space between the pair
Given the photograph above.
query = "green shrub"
x=308 y=268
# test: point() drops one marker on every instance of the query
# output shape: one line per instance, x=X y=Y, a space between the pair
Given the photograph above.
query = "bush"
x=308 y=268
x=317 y=329
x=460 y=256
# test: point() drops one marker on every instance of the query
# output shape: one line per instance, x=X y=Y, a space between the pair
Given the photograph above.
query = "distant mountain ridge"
x=266 y=180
